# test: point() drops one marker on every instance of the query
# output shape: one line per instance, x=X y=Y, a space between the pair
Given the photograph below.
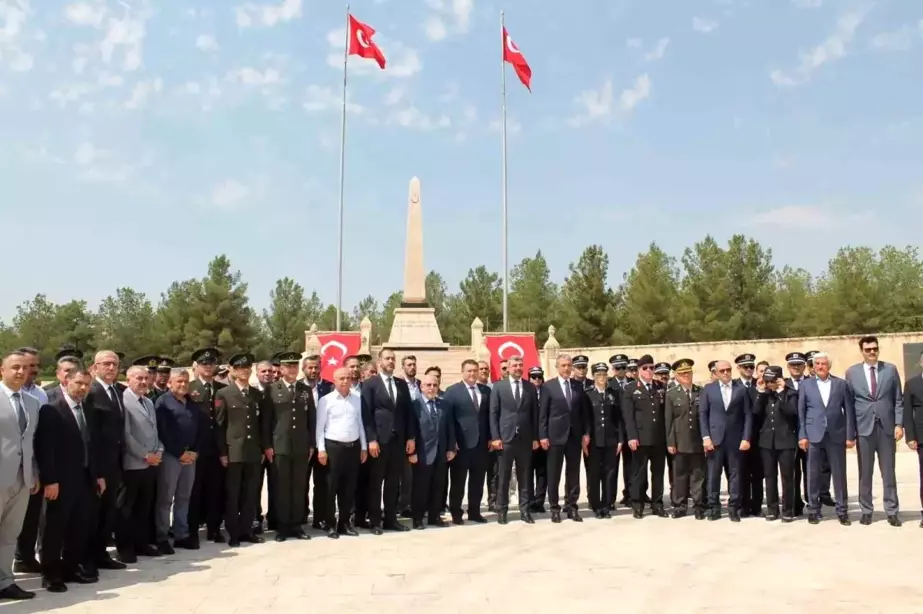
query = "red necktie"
x=873 y=378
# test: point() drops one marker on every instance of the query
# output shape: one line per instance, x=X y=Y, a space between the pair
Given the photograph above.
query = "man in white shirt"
x=342 y=448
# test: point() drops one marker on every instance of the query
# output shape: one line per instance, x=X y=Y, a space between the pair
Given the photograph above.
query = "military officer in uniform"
x=684 y=441
x=161 y=377
x=642 y=409
x=581 y=365
x=602 y=454
x=777 y=407
x=631 y=370
x=287 y=424
x=240 y=449
x=207 y=503
x=752 y=466
x=539 y=455
x=617 y=382
x=662 y=376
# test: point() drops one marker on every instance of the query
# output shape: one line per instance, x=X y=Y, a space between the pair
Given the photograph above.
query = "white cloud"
x=206 y=43
x=13 y=18
x=229 y=193
x=896 y=40
x=267 y=15
x=795 y=217
x=412 y=117
x=70 y=93
x=831 y=49
x=86 y=13
x=118 y=174
x=659 y=51
x=435 y=29
x=394 y=96
x=253 y=76
x=20 y=61
x=600 y=104
x=324 y=99
x=703 y=25
x=461 y=10
x=807 y=4
x=142 y=91
x=86 y=154
x=403 y=61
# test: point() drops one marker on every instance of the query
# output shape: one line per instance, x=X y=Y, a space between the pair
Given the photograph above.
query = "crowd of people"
x=90 y=463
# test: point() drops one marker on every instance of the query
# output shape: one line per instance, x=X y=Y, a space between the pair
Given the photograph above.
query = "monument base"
x=415 y=328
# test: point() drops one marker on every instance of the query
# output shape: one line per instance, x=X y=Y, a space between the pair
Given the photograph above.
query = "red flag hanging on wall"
x=361 y=43
x=503 y=347
x=335 y=348
x=513 y=55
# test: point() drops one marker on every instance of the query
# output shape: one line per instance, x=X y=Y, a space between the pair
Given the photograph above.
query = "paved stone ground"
x=652 y=565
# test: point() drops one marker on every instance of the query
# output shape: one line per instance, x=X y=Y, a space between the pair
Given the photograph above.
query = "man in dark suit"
x=601 y=451
x=826 y=420
x=751 y=480
x=726 y=422
x=539 y=455
x=106 y=416
x=617 y=382
x=468 y=405
x=310 y=367
x=913 y=421
x=71 y=479
x=240 y=450
x=643 y=412
x=514 y=431
x=562 y=432
x=387 y=420
x=434 y=434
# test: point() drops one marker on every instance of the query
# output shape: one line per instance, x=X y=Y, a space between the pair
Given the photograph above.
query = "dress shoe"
x=129 y=558
x=894 y=521
x=537 y=508
x=813 y=518
x=187 y=543
x=332 y=533
x=257 y=529
x=714 y=515
x=418 y=525
x=54 y=585
x=394 y=526
x=458 y=519
x=734 y=515
x=866 y=519
x=233 y=542
x=700 y=514
x=250 y=538
x=15 y=593
x=82 y=576
x=658 y=511
x=921 y=524
x=501 y=518
x=217 y=537
x=637 y=512
x=477 y=518
x=788 y=519
x=771 y=517
x=300 y=534
x=147 y=550
x=827 y=500
x=607 y=513
x=437 y=522
x=362 y=524
x=406 y=513
x=555 y=516
x=377 y=531
x=844 y=520
x=574 y=515
x=27 y=566
x=108 y=563
x=492 y=507
x=679 y=513
x=166 y=548
x=348 y=530
x=280 y=538
x=526 y=517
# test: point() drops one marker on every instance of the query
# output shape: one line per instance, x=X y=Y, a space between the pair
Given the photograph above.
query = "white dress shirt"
x=414 y=390
x=477 y=391
x=823 y=385
x=339 y=418
x=37 y=392
x=726 y=392
x=565 y=387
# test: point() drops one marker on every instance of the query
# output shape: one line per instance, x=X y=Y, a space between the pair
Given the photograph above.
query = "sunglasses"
x=647 y=368
x=723 y=370
x=870 y=350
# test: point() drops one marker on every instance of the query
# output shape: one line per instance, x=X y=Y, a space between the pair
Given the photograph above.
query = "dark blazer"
x=684 y=432
x=734 y=424
x=54 y=393
x=472 y=426
x=107 y=421
x=59 y=448
x=288 y=423
x=205 y=406
x=838 y=418
x=434 y=436
x=382 y=417
x=509 y=418
x=604 y=420
x=238 y=426
x=558 y=419
x=913 y=408
x=643 y=414
x=779 y=414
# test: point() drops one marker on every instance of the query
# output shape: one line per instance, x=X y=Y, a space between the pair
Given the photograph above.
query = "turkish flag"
x=513 y=55
x=504 y=347
x=335 y=348
x=361 y=44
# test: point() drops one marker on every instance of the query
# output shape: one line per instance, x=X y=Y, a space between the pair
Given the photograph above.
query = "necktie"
x=689 y=394
x=20 y=413
x=647 y=387
x=208 y=390
x=432 y=409
x=291 y=390
x=873 y=378
x=567 y=391
x=391 y=389
x=516 y=391
x=84 y=435
x=114 y=397
x=474 y=398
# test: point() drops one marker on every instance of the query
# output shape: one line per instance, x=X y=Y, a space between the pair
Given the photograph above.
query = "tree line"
x=711 y=293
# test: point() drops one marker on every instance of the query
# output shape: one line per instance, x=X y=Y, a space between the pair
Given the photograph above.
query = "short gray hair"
x=178 y=371
x=822 y=355
x=134 y=369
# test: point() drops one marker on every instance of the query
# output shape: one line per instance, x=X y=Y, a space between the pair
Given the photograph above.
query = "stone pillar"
x=414 y=273
x=311 y=342
x=365 y=329
x=552 y=347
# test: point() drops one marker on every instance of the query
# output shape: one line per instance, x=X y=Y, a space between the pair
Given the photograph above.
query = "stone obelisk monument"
x=415 y=324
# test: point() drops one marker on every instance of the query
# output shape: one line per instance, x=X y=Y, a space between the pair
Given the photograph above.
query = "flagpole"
x=342 y=186
x=506 y=268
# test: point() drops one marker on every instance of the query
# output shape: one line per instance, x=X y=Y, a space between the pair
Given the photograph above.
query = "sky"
x=146 y=137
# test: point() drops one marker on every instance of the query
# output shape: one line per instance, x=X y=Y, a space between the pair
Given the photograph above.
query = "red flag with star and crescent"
x=504 y=347
x=335 y=348
x=361 y=43
x=513 y=55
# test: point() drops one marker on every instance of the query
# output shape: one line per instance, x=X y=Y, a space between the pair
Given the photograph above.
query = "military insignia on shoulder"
x=195 y=394
x=637 y=392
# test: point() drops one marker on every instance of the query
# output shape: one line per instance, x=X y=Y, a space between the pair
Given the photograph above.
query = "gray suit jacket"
x=140 y=431
x=887 y=404
x=16 y=448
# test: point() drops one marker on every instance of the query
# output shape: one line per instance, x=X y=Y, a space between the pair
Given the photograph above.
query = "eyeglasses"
x=647 y=368
x=746 y=367
x=723 y=370
x=870 y=350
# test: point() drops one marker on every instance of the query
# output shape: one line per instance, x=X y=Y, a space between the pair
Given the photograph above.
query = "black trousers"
x=267 y=476
x=206 y=506
x=28 y=535
x=469 y=464
x=778 y=463
x=493 y=476
x=540 y=473
x=752 y=481
x=689 y=473
x=104 y=518
x=625 y=460
x=343 y=462
x=132 y=531
x=385 y=482
x=428 y=485
x=601 y=476
x=803 y=472
x=65 y=536
x=242 y=482
x=670 y=471
x=557 y=455
x=289 y=487
x=654 y=457
x=518 y=451
x=318 y=474
x=406 y=498
x=361 y=496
